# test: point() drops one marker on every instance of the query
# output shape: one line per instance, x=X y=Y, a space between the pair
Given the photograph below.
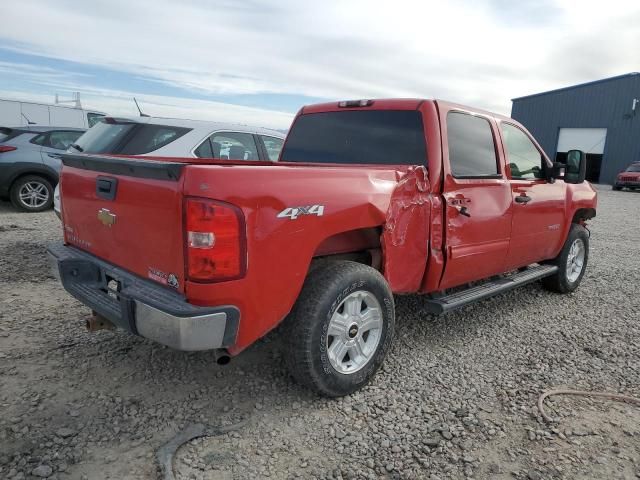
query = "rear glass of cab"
x=384 y=137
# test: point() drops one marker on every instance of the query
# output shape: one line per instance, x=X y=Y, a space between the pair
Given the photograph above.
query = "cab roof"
x=392 y=104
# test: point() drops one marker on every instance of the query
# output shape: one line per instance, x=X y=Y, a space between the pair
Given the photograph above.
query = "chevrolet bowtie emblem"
x=106 y=217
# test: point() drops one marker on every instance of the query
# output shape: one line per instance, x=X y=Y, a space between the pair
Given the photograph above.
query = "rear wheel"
x=32 y=193
x=571 y=262
x=340 y=329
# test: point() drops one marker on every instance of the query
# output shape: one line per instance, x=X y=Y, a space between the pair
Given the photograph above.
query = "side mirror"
x=576 y=168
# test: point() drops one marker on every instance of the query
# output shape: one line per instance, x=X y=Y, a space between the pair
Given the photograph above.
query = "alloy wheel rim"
x=34 y=194
x=575 y=260
x=354 y=332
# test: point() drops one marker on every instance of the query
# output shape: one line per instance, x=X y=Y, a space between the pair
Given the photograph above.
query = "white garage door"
x=589 y=140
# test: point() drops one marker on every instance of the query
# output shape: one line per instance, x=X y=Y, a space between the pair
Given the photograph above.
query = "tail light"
x=215 y=241
x=7 y=148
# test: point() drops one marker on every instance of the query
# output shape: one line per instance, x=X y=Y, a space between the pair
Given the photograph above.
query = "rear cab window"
x=384 y=137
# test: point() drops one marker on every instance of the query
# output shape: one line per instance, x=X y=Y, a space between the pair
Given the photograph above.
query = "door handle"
x=463 y=211
x=523 y=198
x=55 y=155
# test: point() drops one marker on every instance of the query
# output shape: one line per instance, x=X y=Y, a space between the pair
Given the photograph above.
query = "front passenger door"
x=538 y=205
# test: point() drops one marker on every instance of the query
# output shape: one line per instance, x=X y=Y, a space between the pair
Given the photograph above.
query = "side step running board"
x=459 y=299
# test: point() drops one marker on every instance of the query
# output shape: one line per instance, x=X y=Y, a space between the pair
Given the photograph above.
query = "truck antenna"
x=139 y=110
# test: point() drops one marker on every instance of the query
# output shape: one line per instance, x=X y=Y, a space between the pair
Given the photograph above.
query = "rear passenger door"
x=477 y=198
x=538 y=205
x=228 y=146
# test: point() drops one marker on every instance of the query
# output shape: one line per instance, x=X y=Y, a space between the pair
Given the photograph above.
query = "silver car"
x=30 y=163
x=170 y=137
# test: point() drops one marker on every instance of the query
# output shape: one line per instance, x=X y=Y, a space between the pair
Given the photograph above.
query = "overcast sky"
x=258 y=61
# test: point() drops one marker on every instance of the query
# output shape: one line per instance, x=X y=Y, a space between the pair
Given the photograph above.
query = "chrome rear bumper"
x=141 y=306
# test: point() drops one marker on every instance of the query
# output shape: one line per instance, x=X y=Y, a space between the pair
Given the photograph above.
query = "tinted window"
x=229 y=146
x=128 y=138
x=147 y=138
x=61 y=140
x=39 y=139
x=103 y=137
x=273 y=146
x=472 y=152
x=524 y=159
x=633 y=168
x=7 y=134
x=204 y=150
x=357 y=137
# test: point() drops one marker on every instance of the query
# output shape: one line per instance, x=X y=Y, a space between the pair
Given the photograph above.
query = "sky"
x=257 y=62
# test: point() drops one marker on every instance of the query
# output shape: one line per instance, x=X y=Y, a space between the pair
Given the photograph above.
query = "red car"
x=630 y=178
x=369 y=198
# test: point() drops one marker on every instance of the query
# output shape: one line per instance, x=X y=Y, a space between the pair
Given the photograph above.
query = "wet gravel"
x=455 y=399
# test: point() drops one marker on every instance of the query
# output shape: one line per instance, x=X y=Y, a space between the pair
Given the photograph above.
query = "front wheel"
x=616 y=188
x=571 y=262
x=340 y=329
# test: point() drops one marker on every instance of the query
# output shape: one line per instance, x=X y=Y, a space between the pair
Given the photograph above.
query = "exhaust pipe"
x=97 y=322
x=222 y=357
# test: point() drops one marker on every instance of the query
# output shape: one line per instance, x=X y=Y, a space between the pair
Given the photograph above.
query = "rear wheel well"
x=583 y=214
x=38 y=173
x=372 y=258
x=360 y=245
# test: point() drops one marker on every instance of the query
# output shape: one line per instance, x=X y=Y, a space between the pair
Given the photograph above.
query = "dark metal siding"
x=605 y=104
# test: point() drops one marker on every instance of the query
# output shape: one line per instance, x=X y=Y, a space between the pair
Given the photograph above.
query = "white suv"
x=170 y=137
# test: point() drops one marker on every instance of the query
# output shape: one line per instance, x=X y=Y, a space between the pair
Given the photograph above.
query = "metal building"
x=602 y=118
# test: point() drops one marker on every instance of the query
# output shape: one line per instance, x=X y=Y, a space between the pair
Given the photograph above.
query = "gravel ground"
x=455 y=399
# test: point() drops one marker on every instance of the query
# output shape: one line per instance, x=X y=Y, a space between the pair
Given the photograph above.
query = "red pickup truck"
x=369 y=198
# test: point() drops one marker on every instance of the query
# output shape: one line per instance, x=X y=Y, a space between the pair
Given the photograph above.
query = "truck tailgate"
x=128 y=212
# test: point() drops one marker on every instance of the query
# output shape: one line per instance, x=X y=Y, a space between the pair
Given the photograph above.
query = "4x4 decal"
x=294 y=212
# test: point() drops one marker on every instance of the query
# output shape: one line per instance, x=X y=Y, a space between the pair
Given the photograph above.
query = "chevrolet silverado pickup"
x=370 y=198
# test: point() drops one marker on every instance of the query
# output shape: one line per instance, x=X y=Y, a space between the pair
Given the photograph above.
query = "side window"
x=93 y=118
x=230 y=146
x=204 y=150
x=39 y=139
x=472 y=151
x=523 y=157
x=273 y=146
x=62 y=140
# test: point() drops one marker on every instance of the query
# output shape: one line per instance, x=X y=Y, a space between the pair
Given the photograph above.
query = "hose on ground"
x=166 y=453
x=611 y=396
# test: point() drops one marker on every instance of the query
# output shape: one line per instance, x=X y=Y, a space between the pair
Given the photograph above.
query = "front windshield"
x=634 y=168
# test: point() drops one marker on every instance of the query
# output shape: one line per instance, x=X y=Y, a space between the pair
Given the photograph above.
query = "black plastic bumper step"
x=461 y=298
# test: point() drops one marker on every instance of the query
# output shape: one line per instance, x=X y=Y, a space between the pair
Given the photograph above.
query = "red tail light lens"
x=7 y=148
x=215 y=241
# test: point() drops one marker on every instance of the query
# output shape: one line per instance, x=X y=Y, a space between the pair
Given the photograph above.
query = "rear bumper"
x=141 y=306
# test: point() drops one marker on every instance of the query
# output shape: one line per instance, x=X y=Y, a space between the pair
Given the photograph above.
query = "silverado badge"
x=106 y=217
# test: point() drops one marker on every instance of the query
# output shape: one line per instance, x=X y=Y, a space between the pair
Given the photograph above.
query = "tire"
x=32 y=193
x=616 y=188
x=328 y=304
x=567 y=280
